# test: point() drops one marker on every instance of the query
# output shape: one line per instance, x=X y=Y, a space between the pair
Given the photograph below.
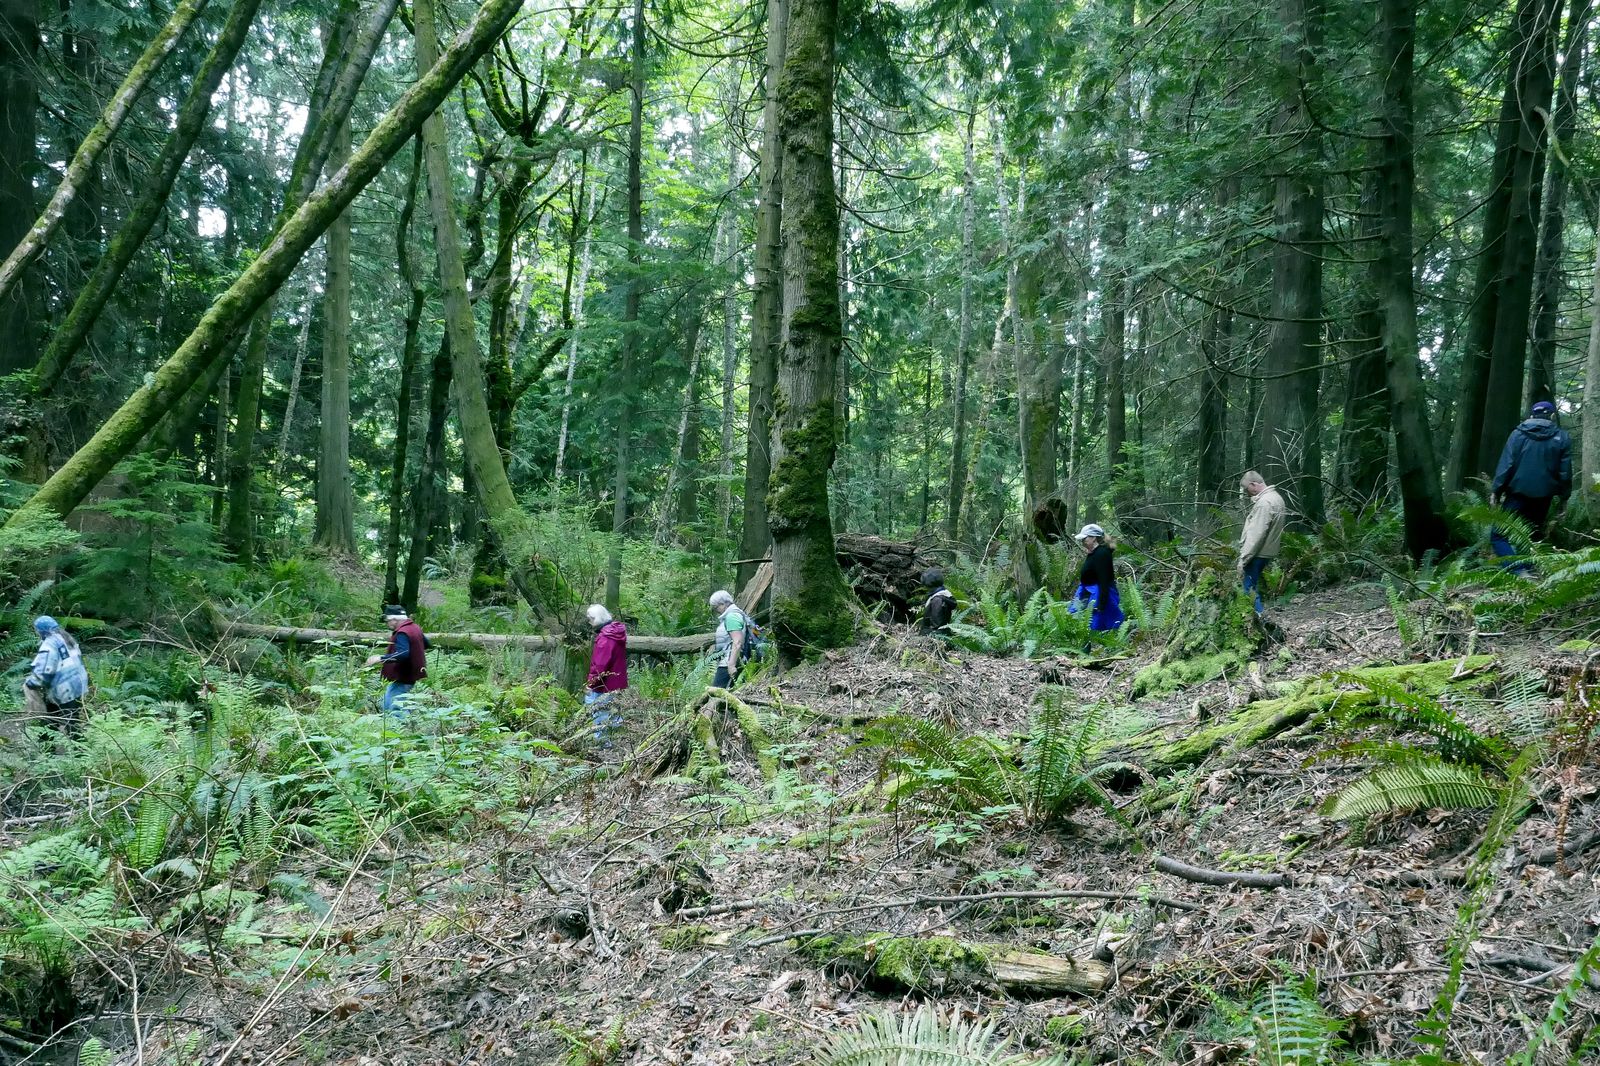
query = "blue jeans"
x=1535 y=510
x=1252 y=579
x=604 y=719
x=393 y=697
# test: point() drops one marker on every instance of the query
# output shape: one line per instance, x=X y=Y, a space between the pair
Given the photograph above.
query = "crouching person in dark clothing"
x=940 y=607
x=405 y=662
x=1097 y=581
x=1535 y=470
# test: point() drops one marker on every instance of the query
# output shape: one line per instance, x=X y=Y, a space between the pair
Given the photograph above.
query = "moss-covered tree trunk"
x=766 y=307
x=85 y=159
x=541 y=587
x=335 y=517
x=812 y=606
x=122 y=432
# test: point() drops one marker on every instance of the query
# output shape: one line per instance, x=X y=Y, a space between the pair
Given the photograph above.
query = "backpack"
x=755 y=640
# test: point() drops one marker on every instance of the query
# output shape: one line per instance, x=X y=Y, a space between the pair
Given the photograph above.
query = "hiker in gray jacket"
x=1263 y=532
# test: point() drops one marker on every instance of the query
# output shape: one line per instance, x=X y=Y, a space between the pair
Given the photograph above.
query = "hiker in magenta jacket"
x=608 y=671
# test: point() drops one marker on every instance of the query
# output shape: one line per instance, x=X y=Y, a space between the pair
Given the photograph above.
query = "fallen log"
x=491 y=641
x=930 y=964
x=1166 y=749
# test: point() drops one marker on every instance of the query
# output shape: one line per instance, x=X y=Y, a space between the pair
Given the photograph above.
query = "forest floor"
x=643 y=919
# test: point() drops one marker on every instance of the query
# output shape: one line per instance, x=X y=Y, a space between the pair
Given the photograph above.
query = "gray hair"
x=598 y=615
x=1251 y=477
x=721 y=598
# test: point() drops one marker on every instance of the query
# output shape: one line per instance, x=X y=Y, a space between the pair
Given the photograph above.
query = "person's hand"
x=1240 y=567
x=1494 y=499
x=374 y=660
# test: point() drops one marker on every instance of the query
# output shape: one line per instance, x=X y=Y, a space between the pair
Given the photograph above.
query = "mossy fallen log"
x=1166 y=749
x=933 y=964
x=491 y=641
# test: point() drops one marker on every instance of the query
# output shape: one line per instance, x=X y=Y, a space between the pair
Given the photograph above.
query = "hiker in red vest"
x=405 y=661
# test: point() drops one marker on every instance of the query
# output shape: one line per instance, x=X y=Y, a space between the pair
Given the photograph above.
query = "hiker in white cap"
x=1097 y=581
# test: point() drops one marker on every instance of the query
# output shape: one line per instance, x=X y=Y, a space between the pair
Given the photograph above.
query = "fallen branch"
x=1051 y=893
x=1573 y=848
x=1221 y=878
x=717 y=908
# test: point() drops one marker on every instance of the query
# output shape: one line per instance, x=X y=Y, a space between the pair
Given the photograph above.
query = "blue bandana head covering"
x=44 y=624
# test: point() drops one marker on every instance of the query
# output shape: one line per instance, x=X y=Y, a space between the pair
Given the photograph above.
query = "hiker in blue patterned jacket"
x=56 y=685
x=1535 y=470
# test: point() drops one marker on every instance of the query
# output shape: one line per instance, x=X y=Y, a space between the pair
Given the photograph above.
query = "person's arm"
x=735 y=645
x=1255 y=532
x=1509 y=457
x=43 y=669
x=597 y=659
x=402 y=650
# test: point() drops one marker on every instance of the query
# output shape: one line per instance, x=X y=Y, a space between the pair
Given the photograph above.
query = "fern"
x=923 y=1039
x=968 y=773
x=1417 y=785
x=151 y=822
x=1458 y=741
x=94 y=1053
x=1293 y=1029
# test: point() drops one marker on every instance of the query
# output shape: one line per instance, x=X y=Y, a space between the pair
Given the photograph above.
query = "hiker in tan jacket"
x=1263 y=532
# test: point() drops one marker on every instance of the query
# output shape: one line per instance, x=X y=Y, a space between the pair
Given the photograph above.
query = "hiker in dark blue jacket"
x=1535 y=470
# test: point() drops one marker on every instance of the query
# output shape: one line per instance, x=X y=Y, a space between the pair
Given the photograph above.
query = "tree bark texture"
x=429 y=493
x=1290 y=448
x=1509 y=214
x=392 y=572
x=1416 y=459
x=585 y=262
x=1549 y=277
x=630 y=314
x=335 y=517
x=730 y=351
x=1363 y=459
x=1216 y=345
x=958 y=402
x=107 y=273
x=85 y=159
x=811 y=605
x=122 y=432
x=767 y=304
x=540 y=586
x=1502 y=407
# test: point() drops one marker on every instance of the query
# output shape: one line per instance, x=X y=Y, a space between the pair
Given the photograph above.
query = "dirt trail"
x=485 y=950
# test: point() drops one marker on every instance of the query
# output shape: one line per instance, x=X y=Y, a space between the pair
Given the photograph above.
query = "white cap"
x=1090 y=530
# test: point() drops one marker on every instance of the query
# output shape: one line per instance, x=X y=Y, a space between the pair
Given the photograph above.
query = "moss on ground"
x=901 y=962
x=1214 y=632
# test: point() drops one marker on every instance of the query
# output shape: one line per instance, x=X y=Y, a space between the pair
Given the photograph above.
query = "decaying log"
x=885 y=574
x=930 y=964
x=491 y=641
x=1169 y=748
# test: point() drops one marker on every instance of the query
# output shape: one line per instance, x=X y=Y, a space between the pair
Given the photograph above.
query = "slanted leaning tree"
x=812 y=607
